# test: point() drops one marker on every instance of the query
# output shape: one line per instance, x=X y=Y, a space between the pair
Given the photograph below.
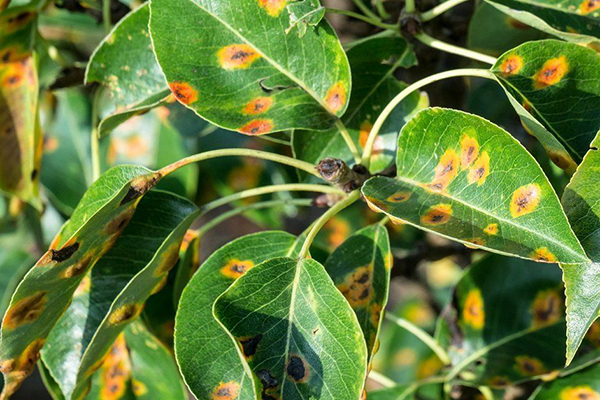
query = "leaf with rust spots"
x=248 y=49
x=554 y=81
x=121 y=282
x=373 y=63
x=312 y=344
x=509 y=208
x=366 y=252
x=584 y=384
x=197 y=330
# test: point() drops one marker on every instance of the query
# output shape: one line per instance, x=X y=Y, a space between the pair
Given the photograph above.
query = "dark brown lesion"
x=25 y=310
x=64 y=253
x=296 y=369
x=78 y=268
x=250 y=345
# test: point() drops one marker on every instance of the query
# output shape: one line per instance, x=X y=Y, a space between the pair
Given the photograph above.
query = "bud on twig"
x=335 y=171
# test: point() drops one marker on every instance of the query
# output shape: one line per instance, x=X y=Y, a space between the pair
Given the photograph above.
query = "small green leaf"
x=581 y=201
x=360 y=269
x=248 y=75
x=304 y=13
x=584 y=384
x=197 y=332
x=297 y=332
x=555 y=88
x=465 y=178
x=373 y=87
x=576 y=21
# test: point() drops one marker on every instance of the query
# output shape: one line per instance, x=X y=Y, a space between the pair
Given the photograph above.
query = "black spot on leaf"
x=65 y=253
x=296 y=369
x=249 y=345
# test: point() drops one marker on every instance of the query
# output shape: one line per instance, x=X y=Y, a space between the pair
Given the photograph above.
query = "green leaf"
x=20 y=138
x=555 y=88
x=584 y=384
x=496 y=337
x=360 y=269
x=67 y=171
x=297 y=332
x=121 y=282
x=465 y=178
x=197 y=332
x=582 y=281
x=125 y=64
x=248 y=75
x=303 y=14
x=576 y=21
x=45 y=292
x=373 y=86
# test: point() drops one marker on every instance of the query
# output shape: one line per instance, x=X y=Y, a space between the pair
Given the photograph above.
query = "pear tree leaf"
x=304 y=13
x=582 y=384
x=248 y=75
x=360 y=269
x=221 y=365
x=297 y=332
x=555 y=88
x=467 y=179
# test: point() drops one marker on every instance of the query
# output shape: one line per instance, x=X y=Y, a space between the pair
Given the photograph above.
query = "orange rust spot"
x=357 y=287
x=257 y=127
x=236 y=268
x=226 y=391
x=399 y=197
x=529 y=366
x=511 y=65
x=17 y=369
x=116 y=371
x=469 y=151
x=363 y=136
x=117 y=224
x=562 y=160
x=525 y=200
x=51 y=143
x=184 y=92
x=77 y=269
x=190 y=235
x=376 y=205
x=579 y=393
x=237 y=56
x=338 y=230
x=429 y=367
x=446 y=170
x=437 y=215
x=125 y=313
x=273 y=7
x=480 y=170
x=475 y=241
x=588 y=6
x=297 y=369
x=473 y=311
x=14 y=75
x=258 y=106
x=336 y=98
x=498 y=382
x=551 y=73
x=543 y=254
x=547 y=308
x=491 y=229
x=26 y=310
x=168 y=259
x=138 y=387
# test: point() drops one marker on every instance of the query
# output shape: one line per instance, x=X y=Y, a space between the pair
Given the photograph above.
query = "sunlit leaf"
x=119 y=285
x=373 y=87
x=360 y=269
x=248 y=74
x=555 y=88
x=297 y=332
x=197 y=332
x=460 y=176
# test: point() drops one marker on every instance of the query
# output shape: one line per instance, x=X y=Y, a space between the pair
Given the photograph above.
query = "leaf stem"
x=440 y=9
x=349 y=142
x=365 y=10
x=106 y=17
x=240 y=210
x=410 y=6
x=339 y=206
x=381 y=379
x=366 y=156
x=381 y=9
x=95 y=137
x=423 y=336
x=452 y=49
x=372 y=21
x=265 y=155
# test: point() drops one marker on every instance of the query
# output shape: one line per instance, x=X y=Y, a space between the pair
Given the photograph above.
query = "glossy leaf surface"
x=45 y=292
x=555 y=88
x=197 y=330
x=136 y=266
x=373 y=87
x=298 y=333
x=360 y=269
x=248 y=74
x=462 y=177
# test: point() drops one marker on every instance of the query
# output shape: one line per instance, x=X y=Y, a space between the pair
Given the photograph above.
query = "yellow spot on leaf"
x=115 y=371
x=480 y=170
x=226 y=391
x=273 y=7
x=469 y=151
x=139 y=389
x=476 y=242
x=437 y=215
x=491 y=229
x=257 y=127
x=511 y=65
x=237 y=56
x=529 y=366
x=525 y=200
x=236 y=268
x=473 y=311
x=356 y=288
x=336 y=98
x=429 y=367
x=544 y=255
x=498 y=382
x=258 y=106
x=17 y=369
x=547 y=308
x=338 y=230
x=25 y=311
x=184 y=92
x=579 y=393
x=125 y=313
x=551 y=73
x=446 y=170
x=588 y=6
x=363 y=136
x=399 y=197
